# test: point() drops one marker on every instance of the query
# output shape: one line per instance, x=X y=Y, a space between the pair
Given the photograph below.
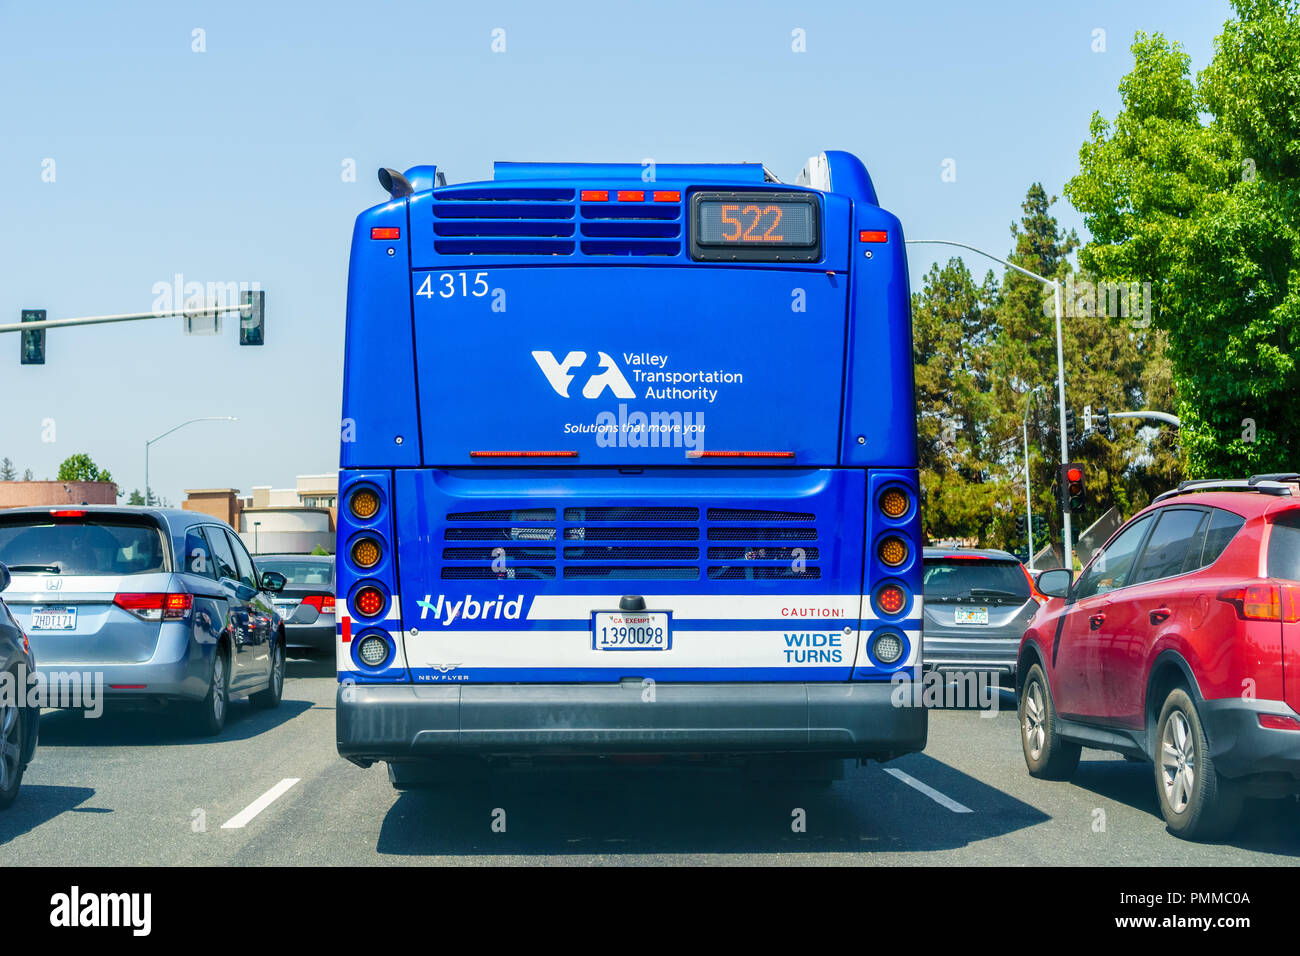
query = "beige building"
x=276 y=520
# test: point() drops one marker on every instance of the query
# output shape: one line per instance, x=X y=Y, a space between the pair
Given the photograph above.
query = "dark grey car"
x=152 y=604
x=18 y=722
x=307 y=600
x=978 y=604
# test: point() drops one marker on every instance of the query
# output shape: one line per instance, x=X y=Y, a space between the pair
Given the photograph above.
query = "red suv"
x=1178 y=644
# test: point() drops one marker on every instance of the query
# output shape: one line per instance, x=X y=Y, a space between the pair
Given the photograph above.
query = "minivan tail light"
x=153 y=606
x=1265 y=602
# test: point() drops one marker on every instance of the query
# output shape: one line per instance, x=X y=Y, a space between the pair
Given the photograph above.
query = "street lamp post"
x=1055 y=286
x=218 y=418
x=1029 y=509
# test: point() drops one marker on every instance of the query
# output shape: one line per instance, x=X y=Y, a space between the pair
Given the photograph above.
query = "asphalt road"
x=131 y=789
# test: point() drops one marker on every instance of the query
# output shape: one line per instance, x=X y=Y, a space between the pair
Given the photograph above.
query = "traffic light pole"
x=244 y=309
x=1060 y=364
x=1155 y=416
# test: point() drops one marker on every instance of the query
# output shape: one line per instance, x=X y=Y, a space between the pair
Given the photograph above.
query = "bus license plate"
x=54 y=619
x=972 y=615
x=631 y=631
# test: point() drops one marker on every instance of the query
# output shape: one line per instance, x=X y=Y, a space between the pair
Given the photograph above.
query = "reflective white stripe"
x=803 y=608
x=573 y=649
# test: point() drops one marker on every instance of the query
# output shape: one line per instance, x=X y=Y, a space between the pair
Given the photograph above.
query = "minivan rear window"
x=93 y=544
x=982 y=579
x=1284 y=547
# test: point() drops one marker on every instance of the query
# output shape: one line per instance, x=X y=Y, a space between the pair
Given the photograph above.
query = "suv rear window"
x=1284 y=547
x=982 y=579
x=94 y=544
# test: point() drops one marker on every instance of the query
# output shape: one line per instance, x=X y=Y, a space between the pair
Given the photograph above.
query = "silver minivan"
x=146 y=604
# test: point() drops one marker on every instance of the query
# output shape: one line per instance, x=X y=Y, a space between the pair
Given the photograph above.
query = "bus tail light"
x=366 y=552
x=385 y=232
x=523 y=454
x=363 y=503
x=873 y=235
x=740 y=454
x=891 y=599
x=894 y=502
x=887 y=647
x=369 y=601
x=893 y=551
x=372 y=650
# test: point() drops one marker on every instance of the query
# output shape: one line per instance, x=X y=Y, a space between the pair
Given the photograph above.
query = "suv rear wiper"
x=34 y=568
x=991 y=592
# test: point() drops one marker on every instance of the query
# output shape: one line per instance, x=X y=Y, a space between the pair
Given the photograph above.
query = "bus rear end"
x=628 y=467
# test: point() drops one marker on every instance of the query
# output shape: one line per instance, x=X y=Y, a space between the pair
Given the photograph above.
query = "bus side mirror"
x=1056 y=583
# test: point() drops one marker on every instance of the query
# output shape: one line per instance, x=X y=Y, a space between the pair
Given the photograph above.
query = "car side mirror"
x=1056 y=583
x=5 y=577
x=273 y=581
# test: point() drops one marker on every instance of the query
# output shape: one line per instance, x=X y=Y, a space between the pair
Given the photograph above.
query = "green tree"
x=80 y=467
x=980 y=352
x=136 y=498
x=7 y=470
x=1196 y=188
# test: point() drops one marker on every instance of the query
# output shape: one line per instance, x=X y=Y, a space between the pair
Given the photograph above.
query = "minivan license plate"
x=54 y=619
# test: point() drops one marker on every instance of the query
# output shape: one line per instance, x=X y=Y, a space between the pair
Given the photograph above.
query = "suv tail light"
x=1265 y=602
x=154 y=606
x=1036 y=594
x=324 y=603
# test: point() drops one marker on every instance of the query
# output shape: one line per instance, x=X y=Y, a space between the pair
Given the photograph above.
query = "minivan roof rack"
x=1265 y=484
x=1278 y=476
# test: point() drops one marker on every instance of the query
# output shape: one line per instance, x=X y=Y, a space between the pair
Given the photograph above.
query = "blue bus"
x=628 y=470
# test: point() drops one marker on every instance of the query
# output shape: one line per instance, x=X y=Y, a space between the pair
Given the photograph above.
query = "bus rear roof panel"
x=743 y=173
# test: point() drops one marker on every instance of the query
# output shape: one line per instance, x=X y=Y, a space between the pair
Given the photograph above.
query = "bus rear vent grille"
x=631 y=543
x=516 y=221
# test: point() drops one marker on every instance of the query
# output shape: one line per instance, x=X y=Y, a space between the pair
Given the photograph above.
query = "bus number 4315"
x=447 y=286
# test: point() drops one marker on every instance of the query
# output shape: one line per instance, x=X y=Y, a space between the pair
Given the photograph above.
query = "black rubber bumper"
x=405 y=721
x=1241 y=747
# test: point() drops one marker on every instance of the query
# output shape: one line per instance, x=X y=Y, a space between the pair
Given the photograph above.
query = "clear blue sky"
x=225 y=165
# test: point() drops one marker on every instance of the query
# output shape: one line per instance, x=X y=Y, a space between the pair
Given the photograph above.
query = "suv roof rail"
x=1265 y=484
x=1278 y=476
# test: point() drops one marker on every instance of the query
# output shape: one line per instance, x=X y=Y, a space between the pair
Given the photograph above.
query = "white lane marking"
x=929 y=791
x=242 y=818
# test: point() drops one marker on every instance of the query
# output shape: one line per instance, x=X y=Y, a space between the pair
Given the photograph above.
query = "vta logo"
x=561 y=374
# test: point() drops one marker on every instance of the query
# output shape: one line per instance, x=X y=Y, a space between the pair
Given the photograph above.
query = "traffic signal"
x=1022 y=526
x=32 y=351
x=1073 y=491
x=252 y=325
x=1070 y=432
x=1103 y=420
x=1040 y=526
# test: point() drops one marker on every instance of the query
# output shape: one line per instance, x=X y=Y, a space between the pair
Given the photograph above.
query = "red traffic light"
x=1074 y=474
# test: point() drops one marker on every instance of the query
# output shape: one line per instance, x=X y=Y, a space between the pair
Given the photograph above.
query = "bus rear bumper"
x=408 y=722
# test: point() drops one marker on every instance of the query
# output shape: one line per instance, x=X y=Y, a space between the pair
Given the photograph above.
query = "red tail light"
x=523 y=454
x=740 y=454
x=385 y=232
x=153 y=606
x=595 y=195
x=873 y=235
x=1036 y=594
x=631 y=195
x=1265 y=602
x=67 y=513
x=323 y=603
x=668 y=195
x=1278 y=722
